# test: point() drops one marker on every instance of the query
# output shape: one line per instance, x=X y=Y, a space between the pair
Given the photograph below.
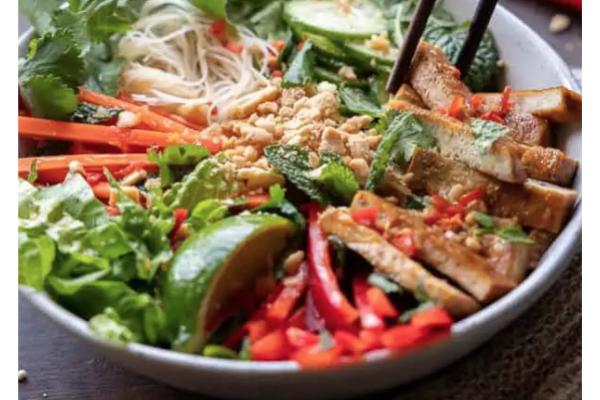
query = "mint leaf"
x=356 y=101
x=484 y=220
x=92 y=114
x=487 y=133
x=300 y=71
x=337 y=180
x=292 y=161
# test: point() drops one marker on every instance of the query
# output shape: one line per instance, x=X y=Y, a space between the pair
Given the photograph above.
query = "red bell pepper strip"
x=256 y=329
x=315 y=358
x=298 y=319
x=53 y=169
x=300 y=338
x=180 y=214
x=271 y=347
x=434 y=318
x=403 y=337
x=365 y=216
x=371 y=338
x=293 y=288
x=349 y=343
x=368 y=319
x=329 y=300
x=475 y=194
x=380 y=304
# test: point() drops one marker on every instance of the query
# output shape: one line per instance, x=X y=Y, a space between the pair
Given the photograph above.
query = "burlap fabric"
x=538 y=357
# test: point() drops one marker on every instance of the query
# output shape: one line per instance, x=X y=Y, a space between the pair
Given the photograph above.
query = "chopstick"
x=481 y=20
x=413 y=36
x=483 y=14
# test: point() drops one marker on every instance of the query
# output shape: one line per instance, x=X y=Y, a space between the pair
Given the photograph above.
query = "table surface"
x=60 y=367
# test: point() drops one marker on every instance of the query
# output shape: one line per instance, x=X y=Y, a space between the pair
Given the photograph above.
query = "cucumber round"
x=214 y=264
x=363 y=52
x=329 y=18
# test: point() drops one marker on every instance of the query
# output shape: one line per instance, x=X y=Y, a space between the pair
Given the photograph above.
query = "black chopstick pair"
x=483 y=14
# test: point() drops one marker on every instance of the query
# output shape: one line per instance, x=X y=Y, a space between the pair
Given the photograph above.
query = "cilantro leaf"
x=300 y=71
x=39 y=13
x=54 y=54
x=403 y=135
x=487 y=133
x=175 y=157
x=48 y=97
x=514 y=234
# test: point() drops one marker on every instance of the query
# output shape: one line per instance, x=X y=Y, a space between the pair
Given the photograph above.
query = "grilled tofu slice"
x=456 y=140
x=388 y=260
x=408 y=94
x=558 y=104
x=506 y=160
x=454 y=260
x=509 y=259
x=535 y=204
x=436 y=83
x=434 y=78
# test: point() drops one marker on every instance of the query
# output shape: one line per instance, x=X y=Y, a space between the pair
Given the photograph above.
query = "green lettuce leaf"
x=209 y=180
x=207 y=212
x=36 y=256
x=173 y=160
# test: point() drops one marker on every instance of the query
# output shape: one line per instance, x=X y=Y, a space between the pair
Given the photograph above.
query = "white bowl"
x=531 y=63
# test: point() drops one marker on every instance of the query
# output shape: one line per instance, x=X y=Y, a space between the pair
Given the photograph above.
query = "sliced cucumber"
x=324 y=45
x=323 y=74
x=336 y=20
x=363 y=52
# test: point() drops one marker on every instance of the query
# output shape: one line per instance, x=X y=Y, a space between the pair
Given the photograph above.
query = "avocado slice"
x=214 y=264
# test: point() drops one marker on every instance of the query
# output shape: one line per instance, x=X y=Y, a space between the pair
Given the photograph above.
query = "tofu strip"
x=506 y=160
x=437 y=83
x=456 y=140
x=456 y=261
x=388 y=260
x=535 y=204
x=558 y=104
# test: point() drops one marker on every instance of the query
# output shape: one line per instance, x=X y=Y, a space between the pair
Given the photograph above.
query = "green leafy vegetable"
x=384 y=283
x=92 y=114
x=407 y=315
x=337 y=180
x=301 y=69
x=514 y=234
x=217 y=351
x=209 y=180
x=207 y=212
x=487 y=133
x=402 y=136
x=415 y=202
x=278 y=204
x=109 y=326
x=176 y=160
x=326 y=340
x=329 y=157
x=36 y=256
x=39 y=13
x=292 y=161
x=357 y=102
x=329 y=182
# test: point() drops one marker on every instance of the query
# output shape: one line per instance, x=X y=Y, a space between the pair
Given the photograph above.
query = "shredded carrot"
x=149 y=118
x=37 y=128
x=53 y=169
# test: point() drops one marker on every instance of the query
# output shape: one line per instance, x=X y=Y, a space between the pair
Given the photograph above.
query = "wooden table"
x=60 y=367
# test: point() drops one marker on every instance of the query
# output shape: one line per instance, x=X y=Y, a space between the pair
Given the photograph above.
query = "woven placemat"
x=537 y=357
